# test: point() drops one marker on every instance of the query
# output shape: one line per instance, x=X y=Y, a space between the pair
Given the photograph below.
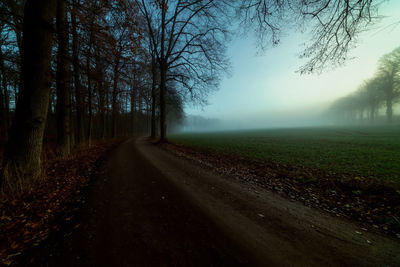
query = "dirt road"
x=150 y=208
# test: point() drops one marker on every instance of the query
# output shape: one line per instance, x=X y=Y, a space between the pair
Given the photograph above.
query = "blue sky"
x=262 y=85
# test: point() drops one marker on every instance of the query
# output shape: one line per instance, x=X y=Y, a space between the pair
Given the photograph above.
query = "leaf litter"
x=371 y=204
x=27 y=220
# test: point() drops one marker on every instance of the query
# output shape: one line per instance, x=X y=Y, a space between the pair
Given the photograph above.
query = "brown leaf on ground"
x=359 y=198
x=27 y=220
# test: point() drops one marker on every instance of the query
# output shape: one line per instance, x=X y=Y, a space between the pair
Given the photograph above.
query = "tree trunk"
x=106 y=114
x=133 y=110
x=89 y=87
x=62 y=82
x=153 y=98
x=102 y=110
x=163 y=74
x=21 y=164
x=90 y=121
x=389 y=108
x=80 y=129
x=71 y=123
x=3 y=86
x=18 y=35
x=16 y=91
x=4 y=99
x=7 y=109
x=372 y=113
x=100 y=91
x=361 y=114
x=114 y=99
x=132 y=119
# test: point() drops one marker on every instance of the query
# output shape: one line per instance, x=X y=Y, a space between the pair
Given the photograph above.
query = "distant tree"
x=367 y=99
x=63 y=107
x=344 y=109
x=94 y=42
x=389 y=71
x=4 y=101
x=11 y=14
x=361 y=103
x=154 y=78
x=373 y=94
x=77 y=68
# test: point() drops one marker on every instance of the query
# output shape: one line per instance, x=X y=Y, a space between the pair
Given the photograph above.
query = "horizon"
x=268 y=84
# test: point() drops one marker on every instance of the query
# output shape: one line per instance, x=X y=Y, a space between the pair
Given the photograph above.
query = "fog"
x=265 y=91
x=301 y=117
x=317 y=116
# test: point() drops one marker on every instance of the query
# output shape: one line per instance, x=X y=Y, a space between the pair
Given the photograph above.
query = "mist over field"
x=301 y=117
x=317 y=116
x=266 y=89
x=313 y=116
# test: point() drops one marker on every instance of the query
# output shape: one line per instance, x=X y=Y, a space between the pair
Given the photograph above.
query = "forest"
x=109 y=68
x=91 y=91
x=380 y=91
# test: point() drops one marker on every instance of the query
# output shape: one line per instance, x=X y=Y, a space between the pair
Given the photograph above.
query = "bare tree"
x=265 y=17
x=63 y=107
x=21 y=162
x=4 y=101
x=153 y=95
x=389 y=71
x=188 y=40
x=80 y=129
x=11 y=14
x=373 y=95
x=335 y=25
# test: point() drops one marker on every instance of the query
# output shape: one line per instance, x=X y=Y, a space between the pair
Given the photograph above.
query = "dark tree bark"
x=63 y=107
x=389 y=108
x=80 y=129
x=3 y=127
x=106 y=113
x=102 y=110
x=90 y=110
x=153 y=97
x=114 y=98
x=163 y=75
x=90 y=114
x=101 y=94
x=163 y=115
x=89 y=87
x=16 y=90
x=188 y=41
x=4 y=112
x=7 y=110
x=140 y=114
x=21 y=164
x=133 y=110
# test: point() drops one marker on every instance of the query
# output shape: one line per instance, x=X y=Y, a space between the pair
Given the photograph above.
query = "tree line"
x=380 y=91
x=79 y=70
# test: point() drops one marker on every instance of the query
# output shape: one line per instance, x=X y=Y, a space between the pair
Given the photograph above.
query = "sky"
x=262 y=87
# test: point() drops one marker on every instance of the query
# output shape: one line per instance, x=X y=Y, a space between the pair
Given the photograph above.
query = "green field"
x=362 y=151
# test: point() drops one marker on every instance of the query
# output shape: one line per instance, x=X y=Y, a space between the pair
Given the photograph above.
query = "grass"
x=361 y=151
